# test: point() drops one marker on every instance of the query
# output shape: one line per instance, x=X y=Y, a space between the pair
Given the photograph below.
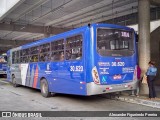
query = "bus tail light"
x=82 y=82
x=95 y=75
x=109 y=88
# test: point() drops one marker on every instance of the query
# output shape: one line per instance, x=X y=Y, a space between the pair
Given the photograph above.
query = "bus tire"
x=45 y=89
x=14 y=83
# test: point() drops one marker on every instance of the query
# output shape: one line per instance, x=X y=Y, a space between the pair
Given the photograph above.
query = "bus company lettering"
x=48 y=66
x=103 y=63
x=127 y=69
x=104 y=70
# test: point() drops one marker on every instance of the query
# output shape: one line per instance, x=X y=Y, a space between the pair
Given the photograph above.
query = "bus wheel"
x=14 y=81
x=44 y=88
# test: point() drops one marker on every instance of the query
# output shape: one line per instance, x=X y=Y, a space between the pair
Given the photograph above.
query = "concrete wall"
x=155 y=50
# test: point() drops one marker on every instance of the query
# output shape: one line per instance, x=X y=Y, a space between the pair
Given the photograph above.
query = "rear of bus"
x=113 y=63
x=3 y=65
x=3 y=68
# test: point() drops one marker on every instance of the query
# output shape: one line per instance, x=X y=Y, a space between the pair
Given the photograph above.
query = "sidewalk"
x=142 y=99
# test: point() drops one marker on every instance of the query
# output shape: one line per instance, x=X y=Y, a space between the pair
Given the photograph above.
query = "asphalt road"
x=28 y=99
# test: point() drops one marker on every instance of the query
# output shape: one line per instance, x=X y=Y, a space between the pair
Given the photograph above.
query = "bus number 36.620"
x=76 y=68
x=118 y=64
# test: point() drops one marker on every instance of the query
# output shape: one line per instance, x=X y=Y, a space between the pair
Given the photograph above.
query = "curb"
x=149 y=103
x=4 y=81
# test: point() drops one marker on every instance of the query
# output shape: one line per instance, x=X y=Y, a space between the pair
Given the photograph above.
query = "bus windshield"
x=110 y=41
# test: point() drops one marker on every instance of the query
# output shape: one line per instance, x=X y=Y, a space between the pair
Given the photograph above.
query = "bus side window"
x=36 y=58
x=41 y=57
x=34 y=54
x=57 y=50
x=44 y=52
x=47 y=56
x=24 y=55
x=68 y=54
x=61 y=56
x=16 y=57
x=53 y=56
x=74 y=48
x=79 y=55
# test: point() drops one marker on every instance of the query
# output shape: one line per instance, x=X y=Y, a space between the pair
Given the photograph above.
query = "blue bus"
x=3 y=64
x=90 y=60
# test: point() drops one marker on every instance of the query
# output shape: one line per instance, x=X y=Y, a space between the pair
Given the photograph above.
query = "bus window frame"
x=33 y=54
x=43 y=53
x=82 y=35
x=17 y=60
x=25 y=55
x=130 y=50
x=56 y=51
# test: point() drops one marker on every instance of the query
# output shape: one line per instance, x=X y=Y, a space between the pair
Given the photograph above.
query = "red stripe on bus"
x=35 y=78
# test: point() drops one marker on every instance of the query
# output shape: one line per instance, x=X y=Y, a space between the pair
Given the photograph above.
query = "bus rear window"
x=110 y=40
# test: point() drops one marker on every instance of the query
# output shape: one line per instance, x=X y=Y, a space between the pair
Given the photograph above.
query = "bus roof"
x=60 y=36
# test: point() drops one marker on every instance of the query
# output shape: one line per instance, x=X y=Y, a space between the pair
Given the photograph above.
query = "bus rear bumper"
x=94 y=89
x=3 y=72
